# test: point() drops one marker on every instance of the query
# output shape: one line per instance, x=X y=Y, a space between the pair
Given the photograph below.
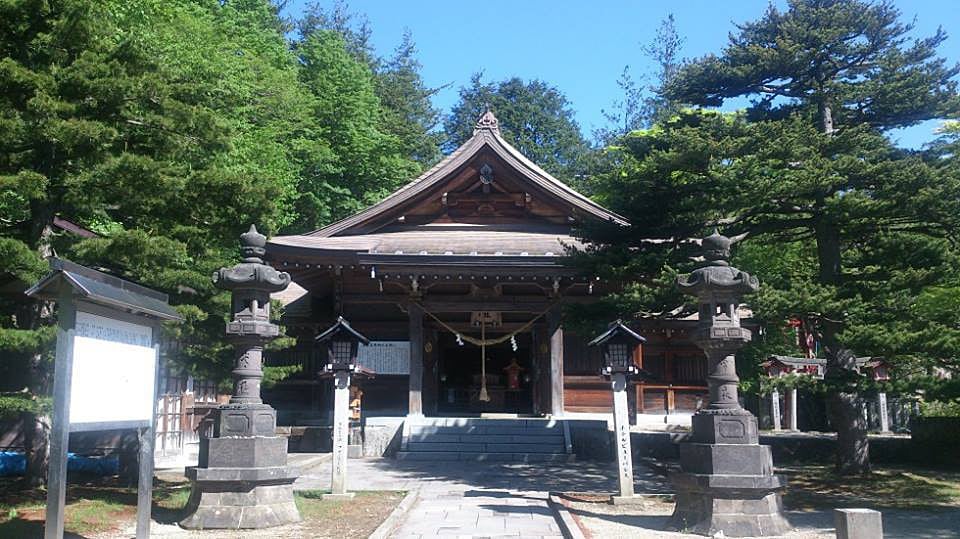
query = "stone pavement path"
x=479 y=513
x=478 y=499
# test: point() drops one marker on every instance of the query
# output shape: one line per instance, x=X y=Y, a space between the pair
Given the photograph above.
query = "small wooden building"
x=472 y=249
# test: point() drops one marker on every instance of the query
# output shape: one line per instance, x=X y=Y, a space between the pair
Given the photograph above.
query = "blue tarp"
x=13 y=463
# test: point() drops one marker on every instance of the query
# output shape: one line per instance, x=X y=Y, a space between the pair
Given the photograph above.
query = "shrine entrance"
x=509 y=377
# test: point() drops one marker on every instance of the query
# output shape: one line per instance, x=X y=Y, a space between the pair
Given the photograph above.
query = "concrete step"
x=484 y=448
x=485 y=430
x=483 y=457
x=483 y=422
x=488 y=438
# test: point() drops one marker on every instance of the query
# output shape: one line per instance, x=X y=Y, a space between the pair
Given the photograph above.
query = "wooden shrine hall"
x=469 y=253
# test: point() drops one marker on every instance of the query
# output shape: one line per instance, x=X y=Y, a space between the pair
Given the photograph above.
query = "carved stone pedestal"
x=242 y=480
x=730 y=488
x=241 y=498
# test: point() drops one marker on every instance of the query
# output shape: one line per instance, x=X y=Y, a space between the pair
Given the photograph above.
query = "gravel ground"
x=647 y=521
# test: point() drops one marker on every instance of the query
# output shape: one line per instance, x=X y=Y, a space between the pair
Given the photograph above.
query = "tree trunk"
x=853 y=447
x=36 y=444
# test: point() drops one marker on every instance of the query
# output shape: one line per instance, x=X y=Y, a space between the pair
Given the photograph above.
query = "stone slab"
x=726 y=459
x=244 y=420
x=274 y=474
x=243 y=452
x=858 y=523
x=711 y=428
x=627 y=500
x=748 y=485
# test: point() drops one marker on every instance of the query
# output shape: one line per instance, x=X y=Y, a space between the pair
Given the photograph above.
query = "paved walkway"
x=477 y=499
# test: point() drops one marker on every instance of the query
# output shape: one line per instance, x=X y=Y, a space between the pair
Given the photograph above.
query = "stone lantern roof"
x=717 y=275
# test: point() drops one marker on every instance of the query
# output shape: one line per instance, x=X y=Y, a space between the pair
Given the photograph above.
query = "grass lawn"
x=815 y=487
x=94 y=505
x=100 y=507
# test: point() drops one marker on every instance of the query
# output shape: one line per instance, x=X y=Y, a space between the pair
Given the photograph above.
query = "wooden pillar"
x=431 y=385
x=415 y=407
x=541 y=370
x=555 y=333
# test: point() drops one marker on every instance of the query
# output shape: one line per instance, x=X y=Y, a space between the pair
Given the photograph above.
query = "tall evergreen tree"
x=406 y=111
x=643 y=105
x=813 y=166
x=160 y=127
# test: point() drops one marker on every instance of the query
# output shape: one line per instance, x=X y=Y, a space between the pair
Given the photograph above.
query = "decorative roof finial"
x=252 y=245
x=716 y=248
x=487 y=121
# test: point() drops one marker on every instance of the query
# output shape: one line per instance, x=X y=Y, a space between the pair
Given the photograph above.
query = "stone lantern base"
x=241 y=498
x=728 y=487
x=242 y=481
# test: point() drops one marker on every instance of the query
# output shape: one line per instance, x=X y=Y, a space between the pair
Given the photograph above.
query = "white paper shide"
x=114 y=369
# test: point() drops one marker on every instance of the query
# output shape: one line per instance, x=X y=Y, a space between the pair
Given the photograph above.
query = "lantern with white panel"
x=342 y=343
x=619 y=344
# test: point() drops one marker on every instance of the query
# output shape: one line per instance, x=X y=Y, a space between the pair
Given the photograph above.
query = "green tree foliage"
x=354 y=162
x=406 y=111
x=166 y=128
x=808 y=173
x=644 y=105
x=535 y=117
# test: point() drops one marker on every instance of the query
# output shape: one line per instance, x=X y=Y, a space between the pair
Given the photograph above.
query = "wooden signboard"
x=107 y=352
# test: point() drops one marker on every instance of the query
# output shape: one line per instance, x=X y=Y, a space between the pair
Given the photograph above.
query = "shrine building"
x=470 y=252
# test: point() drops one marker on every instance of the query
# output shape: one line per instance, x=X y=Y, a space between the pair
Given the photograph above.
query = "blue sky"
x=582 y=47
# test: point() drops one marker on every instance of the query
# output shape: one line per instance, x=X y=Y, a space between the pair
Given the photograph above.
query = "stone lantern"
x=619 y=343
x=343 y=343
x=727 y=483
x=243 y=480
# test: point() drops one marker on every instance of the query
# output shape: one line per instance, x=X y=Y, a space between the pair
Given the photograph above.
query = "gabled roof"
x=98 y=287
x=341 y=326
x=617 y=328
x=485 y=135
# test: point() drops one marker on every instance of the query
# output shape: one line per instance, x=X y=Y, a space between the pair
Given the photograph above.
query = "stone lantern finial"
x=253 y=245
x=716 y=248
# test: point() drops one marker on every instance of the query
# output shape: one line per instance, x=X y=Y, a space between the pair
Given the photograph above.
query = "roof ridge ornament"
x=487 y=122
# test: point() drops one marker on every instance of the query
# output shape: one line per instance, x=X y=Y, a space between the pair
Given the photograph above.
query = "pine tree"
x=808 y=168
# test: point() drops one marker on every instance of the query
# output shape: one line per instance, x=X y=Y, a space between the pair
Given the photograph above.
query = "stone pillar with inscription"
x=621 y=428
x=727 y=483
x=242 y=479
x=618 y=344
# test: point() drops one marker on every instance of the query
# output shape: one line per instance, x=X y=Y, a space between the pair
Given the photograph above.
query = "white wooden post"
x=884 y=417
x=621 y=427
x=341 y=421
x=775 y=408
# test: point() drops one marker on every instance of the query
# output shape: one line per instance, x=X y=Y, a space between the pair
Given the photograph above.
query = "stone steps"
x=481 y=439
x=448 y=456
